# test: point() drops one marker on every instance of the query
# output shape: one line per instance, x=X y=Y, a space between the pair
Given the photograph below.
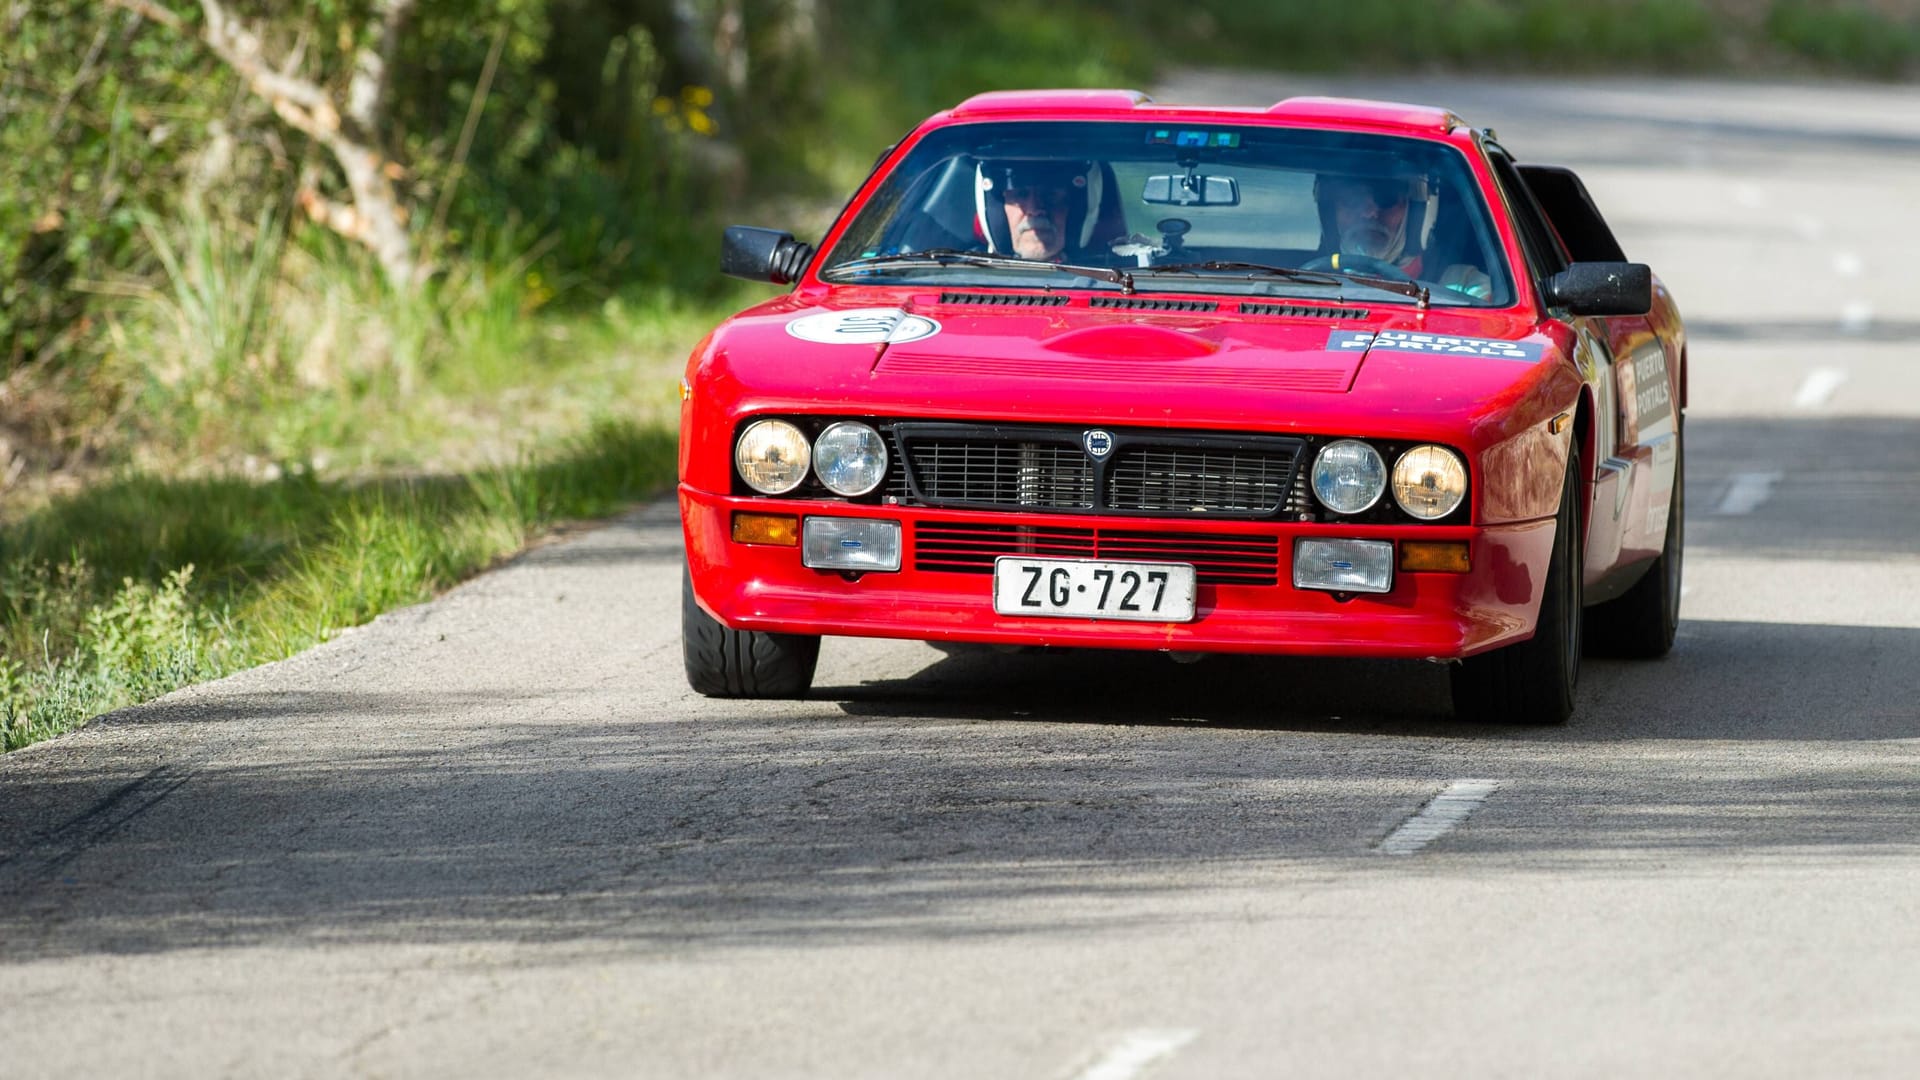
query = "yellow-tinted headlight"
x=772 y=456
x=1429 y=482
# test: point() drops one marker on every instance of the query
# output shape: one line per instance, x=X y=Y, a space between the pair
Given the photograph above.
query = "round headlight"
x=772 y=456
x=1429 y=482
x=850 y=458
x=1349 y=476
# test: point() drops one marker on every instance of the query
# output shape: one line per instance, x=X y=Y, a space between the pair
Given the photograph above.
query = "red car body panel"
x=1224 y=371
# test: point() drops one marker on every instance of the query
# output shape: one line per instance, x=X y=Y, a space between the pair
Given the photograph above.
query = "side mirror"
x=1191 y=190
x=763 y=255
x=1602 y=288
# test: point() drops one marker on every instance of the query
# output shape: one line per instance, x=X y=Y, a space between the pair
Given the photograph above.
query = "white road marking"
x=1747 y=491
x=1135 y=1052
x=1847 y=264
x=1856 y=318
x=1749 y=195
x=1810 y=228
x=1437 y=818
x=1818 y=386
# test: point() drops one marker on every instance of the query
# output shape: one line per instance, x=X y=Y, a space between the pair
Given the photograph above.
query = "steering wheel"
x=1359 y=264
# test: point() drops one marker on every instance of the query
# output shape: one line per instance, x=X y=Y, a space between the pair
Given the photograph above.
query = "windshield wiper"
x=908 y=260
x=1251 y=269
x=1409 y=288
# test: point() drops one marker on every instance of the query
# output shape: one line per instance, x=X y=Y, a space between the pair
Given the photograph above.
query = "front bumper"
x=1425 y=615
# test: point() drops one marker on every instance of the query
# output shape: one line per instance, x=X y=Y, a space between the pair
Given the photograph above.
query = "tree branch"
x=376 y=220
x=467 y=129
x=150 y=12
x=301 y=103
x=367 y=91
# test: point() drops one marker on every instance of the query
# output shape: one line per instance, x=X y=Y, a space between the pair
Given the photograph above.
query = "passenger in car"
x=1388 y=222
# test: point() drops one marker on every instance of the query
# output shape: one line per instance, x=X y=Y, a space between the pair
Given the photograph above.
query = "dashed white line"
x=1746 y=492
x=1856 y=318
x=1134 y=1052
x=1437 y=818
x=1749 y=195
x=1810 y=228
x=1818 y=386
x=1847 y=264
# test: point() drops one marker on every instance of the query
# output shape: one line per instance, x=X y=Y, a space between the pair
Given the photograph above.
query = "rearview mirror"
x=1602 y=288
x=1191 y=190
x=763 y=255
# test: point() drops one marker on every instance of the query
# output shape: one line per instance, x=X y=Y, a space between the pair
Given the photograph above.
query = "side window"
x=1571 y=212
x=1544 y=254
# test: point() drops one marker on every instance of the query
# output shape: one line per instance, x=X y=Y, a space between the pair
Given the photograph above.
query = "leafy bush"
x=1851 y=38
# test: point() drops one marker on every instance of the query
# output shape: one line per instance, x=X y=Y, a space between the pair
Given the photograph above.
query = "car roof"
x=1328 y=112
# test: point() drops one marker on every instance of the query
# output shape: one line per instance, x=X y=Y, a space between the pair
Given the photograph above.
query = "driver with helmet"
x=1048 y=211
x=1379 y=224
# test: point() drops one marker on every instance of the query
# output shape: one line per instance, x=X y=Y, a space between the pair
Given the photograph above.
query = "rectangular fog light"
x=1362 y=566
x=830 y=543
x=780 y=529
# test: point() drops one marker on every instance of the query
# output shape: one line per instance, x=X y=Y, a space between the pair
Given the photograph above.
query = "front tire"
x=1533 y=682
x=727 y=663
x=1640 y=623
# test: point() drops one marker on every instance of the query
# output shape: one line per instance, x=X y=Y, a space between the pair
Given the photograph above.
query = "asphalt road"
x=495 y=834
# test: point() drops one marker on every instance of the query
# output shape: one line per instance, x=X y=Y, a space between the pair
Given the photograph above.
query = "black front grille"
x=1173 y=480
x=996 y=473
x=1034 y=467
x=963 y=547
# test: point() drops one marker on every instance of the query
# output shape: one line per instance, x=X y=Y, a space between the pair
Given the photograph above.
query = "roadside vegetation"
x=308 y=310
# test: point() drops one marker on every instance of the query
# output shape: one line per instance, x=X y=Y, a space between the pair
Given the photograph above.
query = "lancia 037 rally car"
x=1333 y=378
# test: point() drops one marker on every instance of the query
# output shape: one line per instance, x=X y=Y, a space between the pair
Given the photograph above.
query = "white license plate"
x=1091 y=589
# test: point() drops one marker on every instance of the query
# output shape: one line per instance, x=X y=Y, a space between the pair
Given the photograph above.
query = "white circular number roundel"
x=863 y=326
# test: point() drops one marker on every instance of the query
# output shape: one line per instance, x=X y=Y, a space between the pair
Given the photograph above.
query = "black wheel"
x=742 y=663
x=1533 y=682
x=1640 y=623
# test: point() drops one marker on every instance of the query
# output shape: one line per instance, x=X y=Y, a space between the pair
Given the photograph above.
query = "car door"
x=1645 y=443
x=1592 y=354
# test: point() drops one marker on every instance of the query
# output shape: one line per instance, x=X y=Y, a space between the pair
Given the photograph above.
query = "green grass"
x=1856 y=38
x=142 y=585
x=288 y=447
x=1392 y=36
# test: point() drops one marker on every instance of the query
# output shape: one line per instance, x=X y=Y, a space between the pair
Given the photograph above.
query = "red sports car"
x=1333 y=378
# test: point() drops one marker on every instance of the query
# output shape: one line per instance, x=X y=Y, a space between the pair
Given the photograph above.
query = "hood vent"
x=1303 y=311
x=1141 y=303
x=1002 y=299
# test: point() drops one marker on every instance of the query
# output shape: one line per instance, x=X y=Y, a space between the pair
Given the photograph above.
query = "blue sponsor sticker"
x=1439 y=344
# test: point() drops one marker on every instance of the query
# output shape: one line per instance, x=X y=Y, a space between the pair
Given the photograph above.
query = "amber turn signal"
x=781 y=529
x=1444 y=556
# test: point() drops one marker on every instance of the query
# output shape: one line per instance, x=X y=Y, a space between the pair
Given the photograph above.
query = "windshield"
x=1206 y=207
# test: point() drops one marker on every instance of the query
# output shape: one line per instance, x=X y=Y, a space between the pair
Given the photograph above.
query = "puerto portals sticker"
x=1438 y=344
x=863 y=326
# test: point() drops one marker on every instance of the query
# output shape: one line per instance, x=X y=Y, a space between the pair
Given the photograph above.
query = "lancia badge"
x=1098 y=443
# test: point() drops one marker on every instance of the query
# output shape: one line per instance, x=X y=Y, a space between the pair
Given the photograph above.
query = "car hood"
x=1260 y=363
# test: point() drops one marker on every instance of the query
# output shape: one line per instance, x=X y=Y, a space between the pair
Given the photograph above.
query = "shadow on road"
x=962 y=800
x=1724 y=681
